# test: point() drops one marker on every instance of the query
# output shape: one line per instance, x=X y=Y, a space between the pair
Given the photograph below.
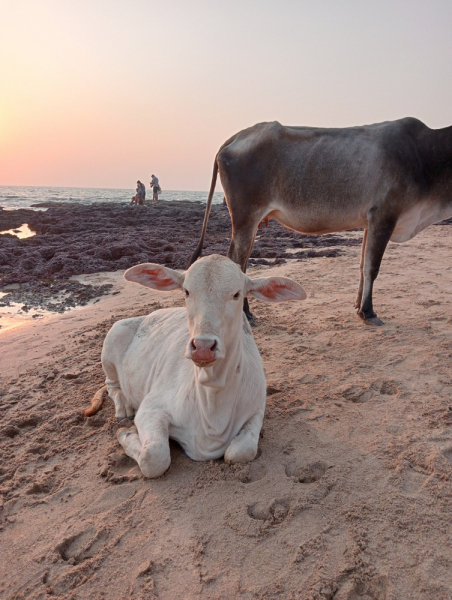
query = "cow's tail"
x=198 y=252
x=96 y=402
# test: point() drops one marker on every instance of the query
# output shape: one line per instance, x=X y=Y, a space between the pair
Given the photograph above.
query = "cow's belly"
x=418 y=218
x=318 y=221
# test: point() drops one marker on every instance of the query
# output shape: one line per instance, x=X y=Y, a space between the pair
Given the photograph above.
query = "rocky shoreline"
x=73 y=239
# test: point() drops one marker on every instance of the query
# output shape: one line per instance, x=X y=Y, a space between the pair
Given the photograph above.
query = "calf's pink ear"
x=275 y=289
x=155 y=277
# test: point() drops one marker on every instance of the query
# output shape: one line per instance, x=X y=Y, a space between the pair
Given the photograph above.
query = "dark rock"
x=73 y=239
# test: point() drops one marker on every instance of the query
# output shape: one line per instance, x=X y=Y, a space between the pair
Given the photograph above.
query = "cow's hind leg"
x=359 y=295
x=378 y=235
x=147 y=442
x=239 y=251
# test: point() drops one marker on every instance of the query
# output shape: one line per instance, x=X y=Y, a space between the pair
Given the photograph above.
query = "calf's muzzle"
x=203 y=351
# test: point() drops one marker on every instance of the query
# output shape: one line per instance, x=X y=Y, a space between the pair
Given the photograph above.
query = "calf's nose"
x=203 y=350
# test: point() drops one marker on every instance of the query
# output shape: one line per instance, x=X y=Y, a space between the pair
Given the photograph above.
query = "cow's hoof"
x=373 y=322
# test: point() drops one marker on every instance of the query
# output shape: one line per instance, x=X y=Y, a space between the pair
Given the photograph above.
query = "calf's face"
x=214 y=289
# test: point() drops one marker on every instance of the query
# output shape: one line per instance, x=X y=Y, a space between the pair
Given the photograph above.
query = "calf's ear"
x=275 y=289
x=155 y=277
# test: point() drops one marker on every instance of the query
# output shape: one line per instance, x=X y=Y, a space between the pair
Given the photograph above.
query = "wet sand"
x=349 y=498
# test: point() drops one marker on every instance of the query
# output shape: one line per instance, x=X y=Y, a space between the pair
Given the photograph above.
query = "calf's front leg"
x=243 y=447
x=148 y=442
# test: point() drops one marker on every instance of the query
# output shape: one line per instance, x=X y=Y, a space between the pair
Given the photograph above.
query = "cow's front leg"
x=243 y=447
x=378 y=235
x=148 y=442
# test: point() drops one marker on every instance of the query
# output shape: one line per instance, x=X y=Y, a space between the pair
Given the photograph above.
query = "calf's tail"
x=198 y=252
x=96 y=402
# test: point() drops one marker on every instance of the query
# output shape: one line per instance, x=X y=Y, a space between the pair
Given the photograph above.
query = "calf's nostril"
x=200 y=344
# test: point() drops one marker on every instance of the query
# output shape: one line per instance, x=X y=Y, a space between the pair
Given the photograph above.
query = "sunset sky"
x=100 y=93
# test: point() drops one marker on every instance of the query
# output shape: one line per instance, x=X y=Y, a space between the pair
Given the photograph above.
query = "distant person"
x=141 y=193
x=156 y=189
x=140 y=196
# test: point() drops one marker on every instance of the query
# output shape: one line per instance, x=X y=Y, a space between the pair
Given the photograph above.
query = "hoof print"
x=120 y=468
x=252 y=472
x=309 y=473
x=271 y=514
x=86 y=544
x=357 y=394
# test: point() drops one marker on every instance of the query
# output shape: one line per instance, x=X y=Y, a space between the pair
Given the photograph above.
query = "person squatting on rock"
x=140 y=196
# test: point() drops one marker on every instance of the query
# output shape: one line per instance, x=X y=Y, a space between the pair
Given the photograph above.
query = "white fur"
x=210 y=410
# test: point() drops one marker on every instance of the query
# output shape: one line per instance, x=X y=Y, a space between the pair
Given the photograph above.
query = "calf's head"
x=214 y=289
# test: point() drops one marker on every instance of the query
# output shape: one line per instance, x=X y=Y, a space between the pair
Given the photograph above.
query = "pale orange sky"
x=100 y=93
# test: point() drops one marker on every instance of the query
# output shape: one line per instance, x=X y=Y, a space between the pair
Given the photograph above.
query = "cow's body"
x=392 y=179
x=205 y=410
x=213 y=404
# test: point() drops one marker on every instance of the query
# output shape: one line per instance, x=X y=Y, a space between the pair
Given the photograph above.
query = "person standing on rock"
x=154 y=183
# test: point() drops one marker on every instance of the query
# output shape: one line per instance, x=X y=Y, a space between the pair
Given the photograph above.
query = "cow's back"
x=317 y=180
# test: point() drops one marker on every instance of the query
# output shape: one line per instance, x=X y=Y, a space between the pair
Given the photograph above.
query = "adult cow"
x=393 y=179
x=212 y=404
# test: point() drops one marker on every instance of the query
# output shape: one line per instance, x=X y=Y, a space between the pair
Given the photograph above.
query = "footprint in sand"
x=29 y=423
x=252 y=472
x=119 y=468
x=10 y=431
x=309 y=473
x=360 y=589
x=357 y=394
x=447 y=453
x=412 y=482
x=273 y=513
x=86 y=544
x=112 y=497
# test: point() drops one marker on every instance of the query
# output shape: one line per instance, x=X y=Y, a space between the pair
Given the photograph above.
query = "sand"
x=349 y=498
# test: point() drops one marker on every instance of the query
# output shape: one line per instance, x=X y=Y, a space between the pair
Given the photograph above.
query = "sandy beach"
x=349 y=497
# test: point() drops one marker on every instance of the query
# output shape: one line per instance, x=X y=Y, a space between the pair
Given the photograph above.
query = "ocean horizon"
x=14 y=197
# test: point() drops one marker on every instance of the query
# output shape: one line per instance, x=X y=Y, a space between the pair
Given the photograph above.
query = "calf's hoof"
x=123 y=432
x=239 y=453
x=119 y=419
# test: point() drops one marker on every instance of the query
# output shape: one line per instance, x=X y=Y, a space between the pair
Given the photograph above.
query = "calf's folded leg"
x=147 y=443
x=123 y=408
x=243 y=447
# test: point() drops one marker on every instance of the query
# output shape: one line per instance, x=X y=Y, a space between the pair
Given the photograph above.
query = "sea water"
x=12 y=197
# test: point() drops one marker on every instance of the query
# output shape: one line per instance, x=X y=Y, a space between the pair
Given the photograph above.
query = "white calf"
x=212 y=404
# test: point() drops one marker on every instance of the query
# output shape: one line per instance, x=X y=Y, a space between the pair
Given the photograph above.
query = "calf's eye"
x=236 y=296
x=186 y=293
